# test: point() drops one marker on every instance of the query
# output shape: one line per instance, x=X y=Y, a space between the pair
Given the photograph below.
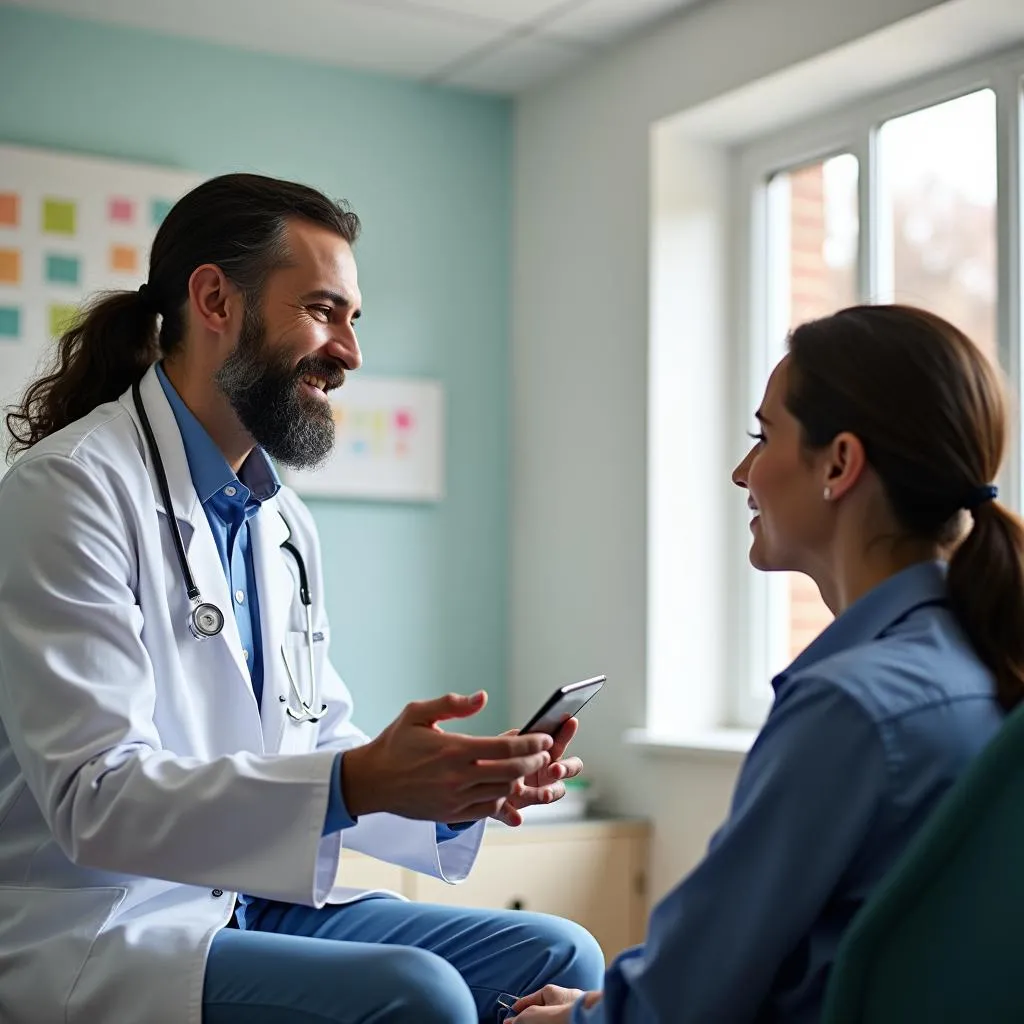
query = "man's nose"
x=345 y=348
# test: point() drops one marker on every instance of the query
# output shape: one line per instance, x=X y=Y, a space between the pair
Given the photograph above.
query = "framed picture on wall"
x=389 y=443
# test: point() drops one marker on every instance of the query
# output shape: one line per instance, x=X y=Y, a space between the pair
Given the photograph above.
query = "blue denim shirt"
x=869 y=728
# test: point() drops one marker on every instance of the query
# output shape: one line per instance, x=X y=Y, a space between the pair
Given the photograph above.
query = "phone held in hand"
x=566 y=702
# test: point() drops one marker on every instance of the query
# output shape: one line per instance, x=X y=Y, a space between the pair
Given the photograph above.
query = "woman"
x=880 y=434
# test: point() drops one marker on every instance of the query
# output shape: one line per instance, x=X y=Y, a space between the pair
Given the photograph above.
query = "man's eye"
x=324 y=312
x=758 y=437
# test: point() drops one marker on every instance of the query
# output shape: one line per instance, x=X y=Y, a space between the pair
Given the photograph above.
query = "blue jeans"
x=384 y=961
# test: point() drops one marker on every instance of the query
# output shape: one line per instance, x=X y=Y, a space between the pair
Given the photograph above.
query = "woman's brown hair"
x=236 y=221
x=931 y=413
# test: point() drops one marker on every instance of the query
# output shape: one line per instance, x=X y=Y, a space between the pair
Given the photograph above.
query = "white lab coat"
x=141 y=787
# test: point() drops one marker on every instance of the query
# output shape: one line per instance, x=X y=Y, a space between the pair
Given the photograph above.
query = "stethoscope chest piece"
x=205 y=620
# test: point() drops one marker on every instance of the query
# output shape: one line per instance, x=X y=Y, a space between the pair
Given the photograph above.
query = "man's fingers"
x=501 y=748
x=507 y=771
x=440 y=709
x=559 y=771
x=564 y=737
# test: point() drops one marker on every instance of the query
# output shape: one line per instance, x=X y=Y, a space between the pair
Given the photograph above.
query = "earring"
x=828 y=494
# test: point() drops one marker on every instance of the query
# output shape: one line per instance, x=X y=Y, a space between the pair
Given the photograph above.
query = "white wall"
x=580 y=364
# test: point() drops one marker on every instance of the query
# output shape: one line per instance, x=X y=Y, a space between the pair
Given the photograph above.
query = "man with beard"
x=177 y=781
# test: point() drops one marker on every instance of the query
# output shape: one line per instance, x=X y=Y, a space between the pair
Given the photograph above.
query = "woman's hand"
x=551 y=1005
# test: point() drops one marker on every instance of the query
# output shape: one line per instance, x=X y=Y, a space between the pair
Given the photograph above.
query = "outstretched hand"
x=546 y=785
x=417 y=770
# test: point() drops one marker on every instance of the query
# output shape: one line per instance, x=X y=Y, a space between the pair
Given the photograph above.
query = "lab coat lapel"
x=197 y=537
x=276 y=587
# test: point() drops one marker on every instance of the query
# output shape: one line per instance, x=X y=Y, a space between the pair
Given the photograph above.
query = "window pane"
x=937 y=173
x=813 y=233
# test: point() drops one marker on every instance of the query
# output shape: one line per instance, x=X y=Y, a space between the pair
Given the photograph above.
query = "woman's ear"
x=844 y=464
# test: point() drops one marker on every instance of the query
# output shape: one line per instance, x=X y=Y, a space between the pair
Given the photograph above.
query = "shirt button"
x=239 y=596
x=217 y=893
x=230 y=491
x=245 y=654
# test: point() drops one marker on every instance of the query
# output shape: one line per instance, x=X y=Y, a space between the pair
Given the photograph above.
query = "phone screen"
x=564 y=703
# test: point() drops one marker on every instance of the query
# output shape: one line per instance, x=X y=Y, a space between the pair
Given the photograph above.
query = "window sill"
x=723 y=745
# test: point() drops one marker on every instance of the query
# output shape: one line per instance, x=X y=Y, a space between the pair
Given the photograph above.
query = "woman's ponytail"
x=986 y=592
x=101 y=355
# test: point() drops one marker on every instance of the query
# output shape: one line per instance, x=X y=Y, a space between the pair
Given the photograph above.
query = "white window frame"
x=762 y=615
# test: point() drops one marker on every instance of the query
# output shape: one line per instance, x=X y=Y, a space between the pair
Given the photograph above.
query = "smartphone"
x=564 y=703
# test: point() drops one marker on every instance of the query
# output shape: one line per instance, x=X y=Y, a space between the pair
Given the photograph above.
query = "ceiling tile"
x=601 y=21
x=508 y=12
x=516 y=66
x=410 y=42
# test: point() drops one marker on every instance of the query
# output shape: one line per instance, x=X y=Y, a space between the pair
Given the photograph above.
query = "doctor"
x=173 y=738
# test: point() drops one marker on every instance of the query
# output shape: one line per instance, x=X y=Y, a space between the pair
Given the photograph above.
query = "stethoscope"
x=206 y=620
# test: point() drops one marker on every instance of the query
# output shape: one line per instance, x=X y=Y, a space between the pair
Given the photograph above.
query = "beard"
x=265 y=390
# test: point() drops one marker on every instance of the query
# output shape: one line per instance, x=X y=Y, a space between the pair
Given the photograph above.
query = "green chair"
x=942 y=940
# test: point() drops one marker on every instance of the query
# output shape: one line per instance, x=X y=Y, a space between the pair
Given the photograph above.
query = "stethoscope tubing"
x=206 y=620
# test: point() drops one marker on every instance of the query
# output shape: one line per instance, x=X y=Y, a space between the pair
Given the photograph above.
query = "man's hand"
x=415 y=769
x=551 y=1005
x=547 y=785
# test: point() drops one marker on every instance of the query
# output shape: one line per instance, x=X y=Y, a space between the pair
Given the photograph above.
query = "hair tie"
x=148 y=299
x=980 y=495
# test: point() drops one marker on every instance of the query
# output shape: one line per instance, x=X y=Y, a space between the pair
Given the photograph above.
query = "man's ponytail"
x=107 y=349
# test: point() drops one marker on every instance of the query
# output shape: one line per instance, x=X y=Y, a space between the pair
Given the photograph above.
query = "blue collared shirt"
x=229 y=502
x=869 y=728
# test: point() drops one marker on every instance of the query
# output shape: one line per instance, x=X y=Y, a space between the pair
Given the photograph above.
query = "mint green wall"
x=416 y=593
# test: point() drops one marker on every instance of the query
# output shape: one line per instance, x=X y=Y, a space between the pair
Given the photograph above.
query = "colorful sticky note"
x=121 y=210
x=62 y=316
x=10 y=266
x=59 y=216
x=159 y=209
x=9 y=210
x=62 y=269
x=124 y=258
x=10 y=322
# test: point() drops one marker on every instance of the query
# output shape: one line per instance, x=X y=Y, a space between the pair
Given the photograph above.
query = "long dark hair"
x=931 y=413
x=236 y=221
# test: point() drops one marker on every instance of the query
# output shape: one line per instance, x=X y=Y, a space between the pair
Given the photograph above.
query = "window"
x=813 y=226
x=900 y=199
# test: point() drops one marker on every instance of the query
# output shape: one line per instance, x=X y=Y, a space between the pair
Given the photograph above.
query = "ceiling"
x=502 y=46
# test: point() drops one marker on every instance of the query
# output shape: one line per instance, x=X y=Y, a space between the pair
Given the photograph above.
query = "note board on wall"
x=69 y=226
x=389 y=443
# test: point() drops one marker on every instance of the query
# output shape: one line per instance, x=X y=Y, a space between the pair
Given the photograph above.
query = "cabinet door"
x=361 y=872
x=591 y=881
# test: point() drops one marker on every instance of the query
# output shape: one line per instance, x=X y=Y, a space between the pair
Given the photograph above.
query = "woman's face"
x=785 y=485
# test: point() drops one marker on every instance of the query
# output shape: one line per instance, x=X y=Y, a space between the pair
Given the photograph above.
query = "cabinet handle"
x=515 y=904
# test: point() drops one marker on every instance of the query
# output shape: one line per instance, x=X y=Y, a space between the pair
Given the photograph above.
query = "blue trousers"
x=384 y=961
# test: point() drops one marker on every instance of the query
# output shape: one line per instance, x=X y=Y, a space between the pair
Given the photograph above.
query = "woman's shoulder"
x=920 y=664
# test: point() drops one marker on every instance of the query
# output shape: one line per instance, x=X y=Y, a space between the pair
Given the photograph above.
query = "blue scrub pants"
x=385 y=961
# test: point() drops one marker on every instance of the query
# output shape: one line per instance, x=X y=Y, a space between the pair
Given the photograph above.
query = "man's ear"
x=214 y=302
x=845 y=463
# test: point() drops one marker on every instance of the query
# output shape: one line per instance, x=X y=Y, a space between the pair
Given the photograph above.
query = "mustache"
x=328 y=369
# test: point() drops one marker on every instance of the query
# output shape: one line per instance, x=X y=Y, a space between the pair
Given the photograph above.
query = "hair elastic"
x=980 y=495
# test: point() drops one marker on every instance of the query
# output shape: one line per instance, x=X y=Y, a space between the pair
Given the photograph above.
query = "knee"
x=429 y=990
x=573 y=957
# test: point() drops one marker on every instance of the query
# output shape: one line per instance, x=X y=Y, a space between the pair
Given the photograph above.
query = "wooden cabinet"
x=592 y=872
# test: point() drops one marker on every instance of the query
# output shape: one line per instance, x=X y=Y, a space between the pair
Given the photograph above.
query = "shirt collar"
x=871 y=615
x=206 y=463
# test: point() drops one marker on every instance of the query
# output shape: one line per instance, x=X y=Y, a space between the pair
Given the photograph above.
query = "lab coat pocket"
x=43 y=961
x=304 y=689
